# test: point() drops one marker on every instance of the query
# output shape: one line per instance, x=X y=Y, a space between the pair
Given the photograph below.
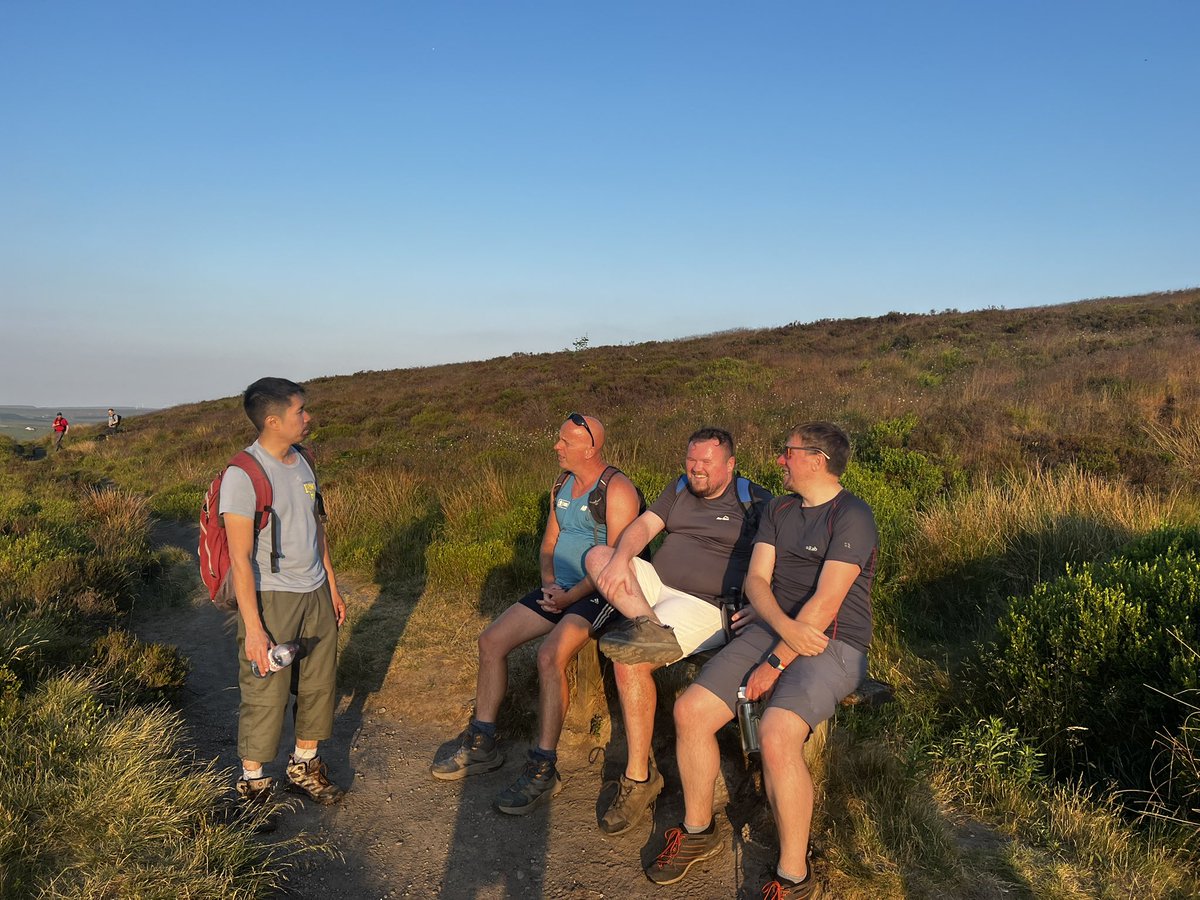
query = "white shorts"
x=697 y=623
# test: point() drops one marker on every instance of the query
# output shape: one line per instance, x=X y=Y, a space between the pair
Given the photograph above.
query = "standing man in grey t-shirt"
x=710 y=517
x=810 y=584
x=286 y=591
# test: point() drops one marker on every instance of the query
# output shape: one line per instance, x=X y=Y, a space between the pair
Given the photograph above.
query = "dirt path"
x=400 y=833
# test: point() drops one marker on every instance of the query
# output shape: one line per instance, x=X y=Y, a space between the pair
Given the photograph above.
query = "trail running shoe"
x=640 y=640
x=780 y=888
x=473 y=754
x=683 y=851
x=534 y=786
x=311 y=779
x=633 y=801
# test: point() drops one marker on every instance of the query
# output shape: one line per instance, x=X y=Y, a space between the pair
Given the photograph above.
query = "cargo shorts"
x=312 y=678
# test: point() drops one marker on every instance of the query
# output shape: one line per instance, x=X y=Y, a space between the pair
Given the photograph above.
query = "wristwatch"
x=774 y=662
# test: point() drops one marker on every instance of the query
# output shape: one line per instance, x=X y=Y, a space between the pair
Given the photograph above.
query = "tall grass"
x=98 y=803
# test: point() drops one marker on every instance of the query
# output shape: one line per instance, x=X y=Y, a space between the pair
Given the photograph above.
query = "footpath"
x=400 y=833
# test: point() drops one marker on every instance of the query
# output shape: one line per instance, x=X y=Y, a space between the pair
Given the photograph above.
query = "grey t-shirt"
x=707 y=548
x=301 y=568
x=804 y=537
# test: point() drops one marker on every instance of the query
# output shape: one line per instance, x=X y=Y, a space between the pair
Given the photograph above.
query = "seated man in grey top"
x=810 y=584
x=710 y=516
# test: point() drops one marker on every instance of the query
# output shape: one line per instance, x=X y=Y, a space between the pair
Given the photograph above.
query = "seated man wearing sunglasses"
x=565 y=608
x=710 y=516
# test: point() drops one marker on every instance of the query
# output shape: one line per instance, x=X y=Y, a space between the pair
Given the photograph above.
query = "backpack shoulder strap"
x=264 y=494
x=264 y=498
x=319 y=498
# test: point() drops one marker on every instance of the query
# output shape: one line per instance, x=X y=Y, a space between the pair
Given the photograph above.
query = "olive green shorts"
x=312 y=678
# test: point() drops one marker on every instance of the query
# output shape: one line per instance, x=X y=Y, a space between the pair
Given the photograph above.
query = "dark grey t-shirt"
x=708 y=545
x=804 y=537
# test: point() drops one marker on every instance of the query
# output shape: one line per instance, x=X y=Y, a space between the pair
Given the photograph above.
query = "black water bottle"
x=731 y=601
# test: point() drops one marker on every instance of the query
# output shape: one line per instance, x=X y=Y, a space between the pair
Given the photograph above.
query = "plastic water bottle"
x=280 y=656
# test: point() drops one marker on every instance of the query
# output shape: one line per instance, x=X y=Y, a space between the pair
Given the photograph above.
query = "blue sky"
x=196 y=194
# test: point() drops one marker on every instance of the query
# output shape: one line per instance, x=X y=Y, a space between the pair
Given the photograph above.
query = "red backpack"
x=214 y=543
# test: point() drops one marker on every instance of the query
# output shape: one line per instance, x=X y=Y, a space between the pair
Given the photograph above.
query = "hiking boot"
x=640 y=640
x=683 y=851
x=310 y=778
x=254 y=803
x=633 y=801
x=534 y=787
x=473 y=754
x=779 y=888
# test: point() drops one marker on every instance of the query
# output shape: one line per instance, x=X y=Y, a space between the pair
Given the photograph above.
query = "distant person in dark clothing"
x=114 y=422
x=61 y=427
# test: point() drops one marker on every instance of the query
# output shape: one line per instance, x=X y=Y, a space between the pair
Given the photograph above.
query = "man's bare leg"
x=699 y=714
x=630 y=603
x=789 y=786
x=515 y=626
x=563 y=643
x=639 y=697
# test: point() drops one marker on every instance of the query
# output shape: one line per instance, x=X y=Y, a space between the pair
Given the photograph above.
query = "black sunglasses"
x=577 y=419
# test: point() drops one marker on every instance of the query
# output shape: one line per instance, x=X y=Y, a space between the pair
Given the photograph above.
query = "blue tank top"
x=577 y=534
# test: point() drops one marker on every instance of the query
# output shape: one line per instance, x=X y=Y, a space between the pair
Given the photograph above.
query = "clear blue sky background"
x=193 y=194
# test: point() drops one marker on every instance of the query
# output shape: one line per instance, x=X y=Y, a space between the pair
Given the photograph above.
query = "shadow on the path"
x=493 y=861
x=363 y=663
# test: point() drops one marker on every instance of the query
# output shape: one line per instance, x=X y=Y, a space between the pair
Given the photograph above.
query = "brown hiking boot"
x=683 y=851
x=254 y=805
x=633 y=801
x=637 y=641
x=309 y=778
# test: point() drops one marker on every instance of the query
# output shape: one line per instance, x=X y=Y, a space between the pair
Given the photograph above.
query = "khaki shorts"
x=312 y=678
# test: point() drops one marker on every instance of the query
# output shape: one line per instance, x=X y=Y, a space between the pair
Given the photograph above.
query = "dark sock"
x=485 y=728
x=550 y=756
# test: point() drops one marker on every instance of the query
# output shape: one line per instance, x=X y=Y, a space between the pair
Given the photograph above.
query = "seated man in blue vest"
x=565 y=609
x=672 y=605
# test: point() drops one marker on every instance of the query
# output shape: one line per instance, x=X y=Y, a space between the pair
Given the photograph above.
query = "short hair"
x=267 y=397
x=708 y=433
x=830 y=438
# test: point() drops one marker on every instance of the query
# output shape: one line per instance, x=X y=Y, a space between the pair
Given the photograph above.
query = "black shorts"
x=593 y=608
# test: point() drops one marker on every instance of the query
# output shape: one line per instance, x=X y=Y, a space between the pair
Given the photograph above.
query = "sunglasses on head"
x=577 y=419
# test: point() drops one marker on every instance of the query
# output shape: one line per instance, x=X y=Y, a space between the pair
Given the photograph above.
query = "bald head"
x=585 y=428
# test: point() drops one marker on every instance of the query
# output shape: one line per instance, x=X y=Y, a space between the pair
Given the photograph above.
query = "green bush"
x=180 y=502
x=1080 y=662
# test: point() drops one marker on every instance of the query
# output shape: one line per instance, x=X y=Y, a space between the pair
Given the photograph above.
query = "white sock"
x=304 y=755
x=250 y=774
x=788 y=877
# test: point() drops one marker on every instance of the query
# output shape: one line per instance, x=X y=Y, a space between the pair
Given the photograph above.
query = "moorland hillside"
x=1034 y=475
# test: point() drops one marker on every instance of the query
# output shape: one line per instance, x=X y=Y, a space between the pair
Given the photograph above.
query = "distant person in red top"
x=61 y=427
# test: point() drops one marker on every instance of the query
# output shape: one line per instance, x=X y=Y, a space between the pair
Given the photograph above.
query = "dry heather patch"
x=1026 y=525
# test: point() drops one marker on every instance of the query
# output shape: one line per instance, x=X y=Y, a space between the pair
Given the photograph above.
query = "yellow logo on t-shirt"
x=310 y=488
